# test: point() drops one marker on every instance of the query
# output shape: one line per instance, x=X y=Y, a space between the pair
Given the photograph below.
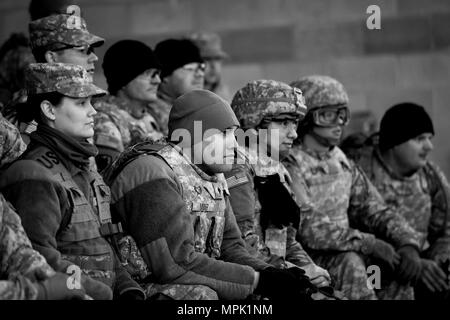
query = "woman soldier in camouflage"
x=63 y=203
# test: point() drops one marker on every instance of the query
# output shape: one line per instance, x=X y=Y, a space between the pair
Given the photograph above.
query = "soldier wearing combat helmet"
x=350 y=218
x=263 y=202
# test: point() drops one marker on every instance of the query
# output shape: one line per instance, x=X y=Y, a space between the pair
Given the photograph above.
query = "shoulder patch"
x=237 y=180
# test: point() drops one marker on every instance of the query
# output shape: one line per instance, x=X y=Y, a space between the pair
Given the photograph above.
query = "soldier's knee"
x=204 y=293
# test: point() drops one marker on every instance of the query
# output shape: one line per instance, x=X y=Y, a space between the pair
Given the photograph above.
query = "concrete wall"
x=407 y=60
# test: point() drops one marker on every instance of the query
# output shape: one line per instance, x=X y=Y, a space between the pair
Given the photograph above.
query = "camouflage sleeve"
x=108 y=140
x=20 y=264
x=106 y=132
x=439 y=227
x=11 y=143
x=369 y=213
x=294 y=250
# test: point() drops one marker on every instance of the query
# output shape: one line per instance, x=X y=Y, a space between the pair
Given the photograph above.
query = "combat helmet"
x=267 y=100
x=326 y=100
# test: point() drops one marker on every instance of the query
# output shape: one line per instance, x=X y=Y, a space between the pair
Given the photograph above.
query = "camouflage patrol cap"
x=59 y=31
x=321 y=91
x=68 y=79
x=267 y=100
x=209 y=44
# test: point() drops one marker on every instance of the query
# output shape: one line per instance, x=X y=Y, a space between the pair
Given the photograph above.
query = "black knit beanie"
x=403 y=122
x=174 y=54
x=125 y=60
x=204 y=106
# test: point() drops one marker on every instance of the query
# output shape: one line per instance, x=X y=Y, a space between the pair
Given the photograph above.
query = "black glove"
x=410 y=265
x=277 y=205
x=285 y=284
x=132 y=295
x=56 y=288
x=433 y=277
x=384 y=252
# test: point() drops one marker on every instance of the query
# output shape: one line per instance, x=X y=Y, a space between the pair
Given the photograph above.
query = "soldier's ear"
x=51 y=57
x=48 y=110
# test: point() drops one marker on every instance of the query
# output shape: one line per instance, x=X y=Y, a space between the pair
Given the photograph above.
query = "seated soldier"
x=399 y=168
x=24 y=273
x=124 y=117
x=62 y=201
x=264 y=205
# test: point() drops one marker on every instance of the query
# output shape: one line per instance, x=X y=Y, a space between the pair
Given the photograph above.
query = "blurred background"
x=407 y=60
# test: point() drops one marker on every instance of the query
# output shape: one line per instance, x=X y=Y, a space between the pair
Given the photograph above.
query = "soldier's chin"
x=334 y=141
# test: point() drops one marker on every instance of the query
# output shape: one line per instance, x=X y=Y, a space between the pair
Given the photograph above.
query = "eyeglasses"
x=151 y=73
x=194 y=68
x=331 y=116
x=87 y=50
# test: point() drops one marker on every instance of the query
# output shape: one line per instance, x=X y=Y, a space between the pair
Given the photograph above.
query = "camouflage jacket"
x=117 y=126
x=423 y=199
x=272 y=243
x=347 y=212
x=19 y=263
x=11 y=143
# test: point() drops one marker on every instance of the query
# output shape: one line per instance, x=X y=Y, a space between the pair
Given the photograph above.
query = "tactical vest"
x=409 y=196
x=204 y=197
x=83 y=241
x=329 y=183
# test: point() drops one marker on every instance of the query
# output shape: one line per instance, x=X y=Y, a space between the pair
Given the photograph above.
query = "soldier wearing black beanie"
x=403 y=122
x=125 y=60
x=174 y=54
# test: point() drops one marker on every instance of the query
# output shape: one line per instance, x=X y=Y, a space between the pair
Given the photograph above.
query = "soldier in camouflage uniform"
x=179 y=214
x=211 y=51
x=58 y=38
x=350 y=223
x=124 y=117
x=269 y=105
x=399 y=168
x=24 y=273
x=63 y=202
x=183 y=70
